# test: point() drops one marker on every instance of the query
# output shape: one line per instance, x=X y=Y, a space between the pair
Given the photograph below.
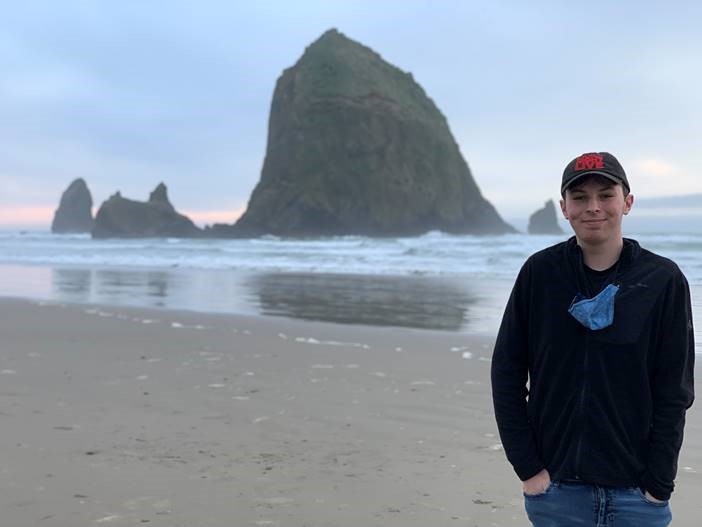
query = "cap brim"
x=612 y=178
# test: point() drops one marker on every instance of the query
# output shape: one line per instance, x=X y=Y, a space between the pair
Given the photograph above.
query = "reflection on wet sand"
x=72 y=284
x=418 y=302
x=111 y=286
x=157 y=284
x=408 y=301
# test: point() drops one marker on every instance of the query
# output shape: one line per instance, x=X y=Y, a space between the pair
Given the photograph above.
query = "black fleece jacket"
x=607 y=406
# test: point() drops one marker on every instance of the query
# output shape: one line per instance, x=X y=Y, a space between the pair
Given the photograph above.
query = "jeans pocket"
x=642 y=495
x=540 y=494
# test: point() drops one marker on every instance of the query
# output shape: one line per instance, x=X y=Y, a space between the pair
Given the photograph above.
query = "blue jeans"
x=566 y=504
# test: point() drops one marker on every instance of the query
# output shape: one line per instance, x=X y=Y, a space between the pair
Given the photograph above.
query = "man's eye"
x=579 y=198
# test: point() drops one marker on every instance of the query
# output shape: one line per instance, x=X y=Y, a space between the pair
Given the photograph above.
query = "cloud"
x=652 y=177
x=26 y=216
x=41 y=216
x=51 y=83
x=655 y=167
x=214 y=216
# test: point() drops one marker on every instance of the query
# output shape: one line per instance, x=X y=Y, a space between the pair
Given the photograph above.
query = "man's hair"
x=600 y=179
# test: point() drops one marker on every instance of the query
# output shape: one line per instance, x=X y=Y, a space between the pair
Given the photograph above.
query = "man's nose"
x=593 y=205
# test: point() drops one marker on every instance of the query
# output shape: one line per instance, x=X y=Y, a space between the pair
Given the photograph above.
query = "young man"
x=602 y=331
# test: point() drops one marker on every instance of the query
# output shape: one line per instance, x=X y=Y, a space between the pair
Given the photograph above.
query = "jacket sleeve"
x=509 y=374
x=672 y=386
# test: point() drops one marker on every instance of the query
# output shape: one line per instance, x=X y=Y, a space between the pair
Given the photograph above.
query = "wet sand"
x=445 y=303
x=123 y=416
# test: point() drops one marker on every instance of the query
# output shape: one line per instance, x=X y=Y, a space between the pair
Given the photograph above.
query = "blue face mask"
x=596 y=312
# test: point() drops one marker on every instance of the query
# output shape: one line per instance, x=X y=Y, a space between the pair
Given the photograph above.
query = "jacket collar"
x=630 y=251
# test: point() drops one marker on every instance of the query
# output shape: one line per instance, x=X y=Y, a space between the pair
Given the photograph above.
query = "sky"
x=131 y=93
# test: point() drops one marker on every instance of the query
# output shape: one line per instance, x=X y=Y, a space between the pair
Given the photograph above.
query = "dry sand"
x=123 y=417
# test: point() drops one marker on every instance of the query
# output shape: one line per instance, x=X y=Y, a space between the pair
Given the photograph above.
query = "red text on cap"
x=589 y=162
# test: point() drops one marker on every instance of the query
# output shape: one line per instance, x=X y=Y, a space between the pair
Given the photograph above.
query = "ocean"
x=435 y=281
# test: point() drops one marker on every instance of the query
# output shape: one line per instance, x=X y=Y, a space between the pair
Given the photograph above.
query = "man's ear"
x=628 y=203
x=563 y=209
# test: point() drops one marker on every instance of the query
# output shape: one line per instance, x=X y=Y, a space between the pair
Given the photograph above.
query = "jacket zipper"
x=581 y=407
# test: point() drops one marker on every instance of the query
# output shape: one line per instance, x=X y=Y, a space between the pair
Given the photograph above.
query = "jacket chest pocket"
x=633 y=310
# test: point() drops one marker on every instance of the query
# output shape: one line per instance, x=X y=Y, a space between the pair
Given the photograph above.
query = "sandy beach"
x=123 y=416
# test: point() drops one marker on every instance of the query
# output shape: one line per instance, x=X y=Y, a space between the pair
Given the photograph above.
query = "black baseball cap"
x=600 y=163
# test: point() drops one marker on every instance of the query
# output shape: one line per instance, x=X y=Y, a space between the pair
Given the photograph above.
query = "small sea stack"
x=544 y=220
x=119 y=217
x=74 y=213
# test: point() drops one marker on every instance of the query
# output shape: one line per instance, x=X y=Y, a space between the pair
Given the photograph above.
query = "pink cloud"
x=203 y=217
x=26 y=216
x=37 y=216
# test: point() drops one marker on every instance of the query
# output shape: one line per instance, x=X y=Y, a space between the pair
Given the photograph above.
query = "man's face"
x=595 y=209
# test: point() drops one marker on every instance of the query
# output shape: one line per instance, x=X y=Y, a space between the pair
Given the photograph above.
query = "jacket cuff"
x=528 y=470
x=655 y=489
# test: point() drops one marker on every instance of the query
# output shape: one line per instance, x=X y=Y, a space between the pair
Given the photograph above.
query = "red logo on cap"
x=589 y=162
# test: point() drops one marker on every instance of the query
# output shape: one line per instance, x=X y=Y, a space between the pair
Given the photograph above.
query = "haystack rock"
x=355 y=146
x=120 y=217
x=74 y=213
x=545 y=220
